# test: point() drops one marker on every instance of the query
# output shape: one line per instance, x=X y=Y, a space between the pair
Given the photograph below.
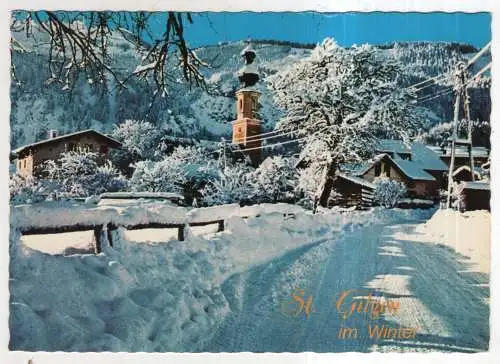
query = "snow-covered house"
x=475 y=195
x=31 y=156
x=479 y=154
x=417 y=166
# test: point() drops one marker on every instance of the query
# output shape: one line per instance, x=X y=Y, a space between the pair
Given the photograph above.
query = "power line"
x=272 y=145
x=265 y=138
x=443 y=75
x=279 y=132
x=435 y=96
x=267 y=133
x=484 y=69
x=425 y=81
x=479 y=54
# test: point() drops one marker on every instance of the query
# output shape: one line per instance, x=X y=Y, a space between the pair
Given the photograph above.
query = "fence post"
x=221 y=226
x=97 y=239
x=180 y=233
x=109 y=231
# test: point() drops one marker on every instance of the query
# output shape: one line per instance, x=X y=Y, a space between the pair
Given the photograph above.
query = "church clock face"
x=239 y=133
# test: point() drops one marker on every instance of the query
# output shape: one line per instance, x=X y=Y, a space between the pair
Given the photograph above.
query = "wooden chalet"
x=415 y=165
x=29 y=157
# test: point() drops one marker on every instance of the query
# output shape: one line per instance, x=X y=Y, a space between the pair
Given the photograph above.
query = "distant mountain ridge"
x=186 y=112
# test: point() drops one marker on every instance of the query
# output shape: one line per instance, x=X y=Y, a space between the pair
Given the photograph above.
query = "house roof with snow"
x=110 y=141
x=356 y=180
x=413 y=170
x=410 y=169
x=477 y=185
x=421 y=154
x=477 y=171
x=460 y=151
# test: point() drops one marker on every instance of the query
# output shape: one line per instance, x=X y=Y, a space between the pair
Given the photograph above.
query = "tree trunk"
x=325 y=186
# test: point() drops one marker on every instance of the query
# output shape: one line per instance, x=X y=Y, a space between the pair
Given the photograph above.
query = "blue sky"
x=346 y=28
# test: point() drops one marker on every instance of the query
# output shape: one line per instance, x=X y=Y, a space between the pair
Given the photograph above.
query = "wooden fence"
x=108 y=228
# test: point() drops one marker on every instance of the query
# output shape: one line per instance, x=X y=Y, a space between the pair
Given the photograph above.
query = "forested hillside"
x=39 y=105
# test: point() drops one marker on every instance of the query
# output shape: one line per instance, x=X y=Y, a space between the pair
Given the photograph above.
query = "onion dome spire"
x=248 y=75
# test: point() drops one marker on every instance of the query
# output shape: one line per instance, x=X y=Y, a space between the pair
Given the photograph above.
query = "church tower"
x=247 y=123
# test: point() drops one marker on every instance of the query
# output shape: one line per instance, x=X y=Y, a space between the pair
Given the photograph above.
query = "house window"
x=71 y=147
x=24 y=164
x=89 y=147
x=377 y=170
x=103 y=149
x=241 y=105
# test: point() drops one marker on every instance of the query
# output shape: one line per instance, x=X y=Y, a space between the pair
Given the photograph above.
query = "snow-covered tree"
x=231 y=186
x=275 y=180
x=438 y=134
x=78 y=174
x=26 y=190
x=388 y=192
x=140 y=138
x=345 y=99
x=184 y=171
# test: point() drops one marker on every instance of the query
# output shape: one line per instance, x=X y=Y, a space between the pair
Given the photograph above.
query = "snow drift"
x=154 y=297
x=467 y=233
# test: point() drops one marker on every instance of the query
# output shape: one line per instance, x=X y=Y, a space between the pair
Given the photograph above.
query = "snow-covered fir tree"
x=345 y=99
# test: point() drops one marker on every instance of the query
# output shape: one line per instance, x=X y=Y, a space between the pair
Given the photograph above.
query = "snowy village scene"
x=249 y=182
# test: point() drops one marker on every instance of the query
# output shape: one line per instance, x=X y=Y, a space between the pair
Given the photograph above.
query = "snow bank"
x=56 y=214
x=467 y=233
x=213 y=213
x=156 y=297
x=269 y=208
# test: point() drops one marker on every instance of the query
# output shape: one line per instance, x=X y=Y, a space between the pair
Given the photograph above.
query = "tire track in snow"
x=367 y=257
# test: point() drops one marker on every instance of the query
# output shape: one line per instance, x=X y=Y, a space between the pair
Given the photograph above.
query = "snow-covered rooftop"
x=357 y=180
x=413 y=170
x=113 y=142
x=477 y=185
x=427 y=158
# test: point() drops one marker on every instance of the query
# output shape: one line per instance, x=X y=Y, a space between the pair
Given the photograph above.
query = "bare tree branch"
x=78 y=44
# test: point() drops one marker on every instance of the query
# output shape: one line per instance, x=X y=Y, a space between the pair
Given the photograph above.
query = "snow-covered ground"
x=222 y=291
x=467 y=233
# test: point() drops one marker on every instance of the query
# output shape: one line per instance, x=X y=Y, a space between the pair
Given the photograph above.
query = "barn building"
x=475 y=195
x=28 y=158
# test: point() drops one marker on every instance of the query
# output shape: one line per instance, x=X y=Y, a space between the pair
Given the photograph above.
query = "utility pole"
x=469 y=130
x=223 y=152
x=460 y=91
x=453 y=140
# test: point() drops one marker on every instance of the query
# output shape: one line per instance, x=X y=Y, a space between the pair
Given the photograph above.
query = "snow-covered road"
x=440 y=297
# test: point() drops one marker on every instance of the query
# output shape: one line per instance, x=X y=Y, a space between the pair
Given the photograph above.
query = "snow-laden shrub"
x=388 y=192
x=275 y=180
x=231 y=186
x=78 y=174
x=185 y=171
x=26 y=190
x=140 y=138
